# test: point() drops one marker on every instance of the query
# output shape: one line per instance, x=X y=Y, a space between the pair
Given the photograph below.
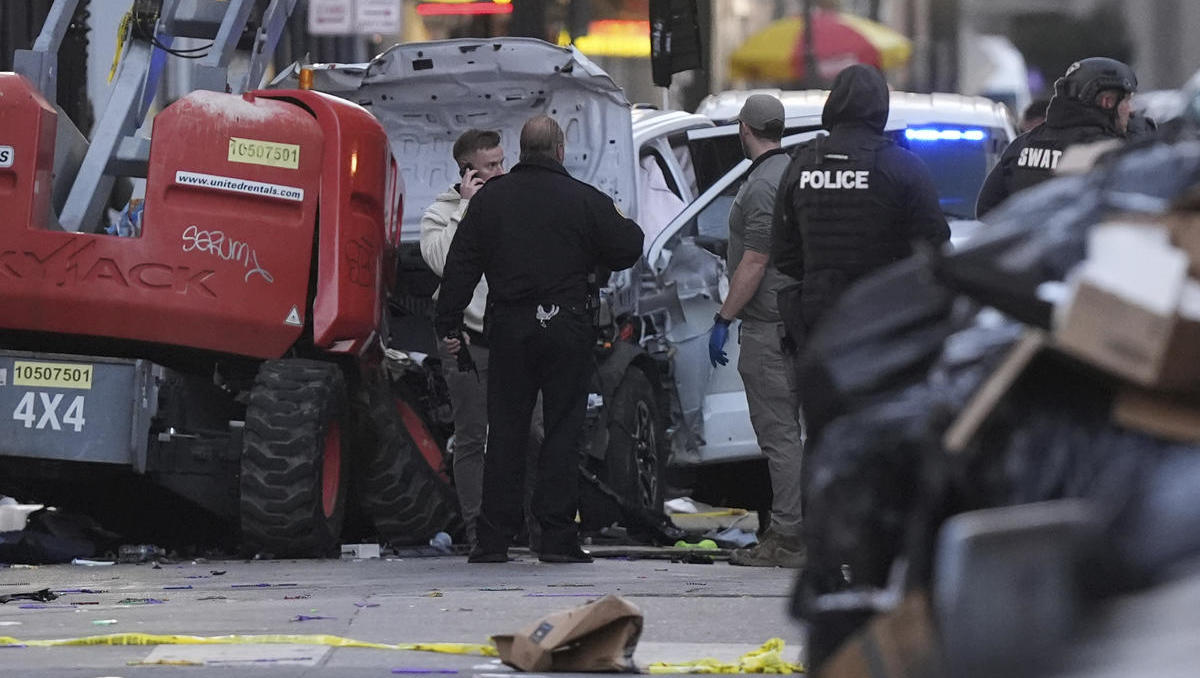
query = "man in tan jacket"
x=479 y=157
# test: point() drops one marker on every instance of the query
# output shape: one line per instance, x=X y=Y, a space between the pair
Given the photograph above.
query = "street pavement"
x=691 y=611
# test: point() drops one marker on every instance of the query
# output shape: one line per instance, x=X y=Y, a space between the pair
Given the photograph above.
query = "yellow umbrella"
x=840 y=39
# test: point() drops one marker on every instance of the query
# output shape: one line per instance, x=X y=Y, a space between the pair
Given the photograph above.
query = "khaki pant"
x=773 y=394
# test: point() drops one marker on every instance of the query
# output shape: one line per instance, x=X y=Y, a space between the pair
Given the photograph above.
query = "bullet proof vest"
x=847 y=226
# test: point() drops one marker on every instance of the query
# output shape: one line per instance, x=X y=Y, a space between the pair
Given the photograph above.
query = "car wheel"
x=294 y=460
x=634 y=463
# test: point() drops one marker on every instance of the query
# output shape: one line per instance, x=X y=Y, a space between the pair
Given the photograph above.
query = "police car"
x=655 y=397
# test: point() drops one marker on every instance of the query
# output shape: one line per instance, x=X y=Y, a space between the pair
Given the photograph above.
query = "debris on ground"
x=598 y=636
x=360 y=551
x=42 y=596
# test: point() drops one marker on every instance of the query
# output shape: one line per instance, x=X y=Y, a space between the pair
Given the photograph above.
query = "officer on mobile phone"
x=479 y=157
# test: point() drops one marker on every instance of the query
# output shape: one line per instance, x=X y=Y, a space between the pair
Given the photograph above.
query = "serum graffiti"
x=221 y=246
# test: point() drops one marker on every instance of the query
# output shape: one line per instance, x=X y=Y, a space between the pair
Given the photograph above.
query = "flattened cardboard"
x=599 y=636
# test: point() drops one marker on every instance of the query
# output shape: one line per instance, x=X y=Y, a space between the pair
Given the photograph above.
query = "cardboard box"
x=1134 y=312
x=1170 y=417
x=599 y=636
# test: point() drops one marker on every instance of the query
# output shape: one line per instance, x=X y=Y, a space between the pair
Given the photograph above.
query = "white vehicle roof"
x=909 y=108
x=652 y=123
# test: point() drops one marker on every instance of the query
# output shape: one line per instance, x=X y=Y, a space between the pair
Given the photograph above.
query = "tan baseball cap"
x=761 y=110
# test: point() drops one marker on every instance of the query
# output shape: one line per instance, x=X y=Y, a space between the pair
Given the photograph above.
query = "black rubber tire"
x=634 y=464
x=403 y=496
x=294 y=406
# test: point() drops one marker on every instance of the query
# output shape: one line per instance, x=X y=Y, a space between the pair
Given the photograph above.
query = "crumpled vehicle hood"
x=426 y=94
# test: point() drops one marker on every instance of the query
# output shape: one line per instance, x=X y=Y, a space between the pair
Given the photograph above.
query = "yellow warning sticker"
x=269 y=153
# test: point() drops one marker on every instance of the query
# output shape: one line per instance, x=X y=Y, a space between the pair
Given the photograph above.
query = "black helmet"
x=1088 y=77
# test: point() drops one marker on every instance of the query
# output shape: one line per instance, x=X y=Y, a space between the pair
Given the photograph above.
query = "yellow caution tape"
x=766 y=659
x=294 y=639
x=122 y=32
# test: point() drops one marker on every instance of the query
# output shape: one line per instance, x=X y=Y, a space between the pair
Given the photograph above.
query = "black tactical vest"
x=847 y=225
x=1038 y=159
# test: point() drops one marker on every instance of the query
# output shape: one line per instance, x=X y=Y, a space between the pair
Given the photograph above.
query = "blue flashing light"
x=933 y=134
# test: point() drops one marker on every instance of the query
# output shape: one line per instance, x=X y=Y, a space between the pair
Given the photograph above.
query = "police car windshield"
x=959 y=160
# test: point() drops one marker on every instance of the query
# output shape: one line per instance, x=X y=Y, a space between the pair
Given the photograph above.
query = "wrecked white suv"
x=655 y=395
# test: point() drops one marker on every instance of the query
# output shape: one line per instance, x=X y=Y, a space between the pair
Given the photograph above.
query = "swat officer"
x=850 y=202
x=537 y=233
x=1092 y=102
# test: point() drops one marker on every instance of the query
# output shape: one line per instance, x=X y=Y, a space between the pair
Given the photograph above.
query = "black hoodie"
x=854 y=201
x=1032 y=157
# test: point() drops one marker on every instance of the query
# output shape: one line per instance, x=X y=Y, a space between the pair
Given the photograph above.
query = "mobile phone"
x=462 y=171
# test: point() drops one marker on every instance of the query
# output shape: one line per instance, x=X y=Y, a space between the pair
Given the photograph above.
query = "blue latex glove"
x=716 y=344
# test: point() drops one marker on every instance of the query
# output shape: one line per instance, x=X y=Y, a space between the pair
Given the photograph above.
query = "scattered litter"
x=139 y=553
x=44 y=606
x=85 y=602
x=302 y=596
x=213 y=598
x=248 y=586
x=10 y=623
x=217 y=573
x=91 y=591
x=766 y=659
x=571 y=585
x=442 y=543
x=177 y=588
x=360 y=551
x=684 y=505
x=92 y=563
x=704 y=544
x=273 y=639
x=104 y=622
x=414 y=670
x=561 y=595
x=365 y=604
x=501 y=588
x=140 y=601
x=196 y=576
x=599 y=636
x=434 y=594
x=43 y=596
x=309 y=617
x=734 y=537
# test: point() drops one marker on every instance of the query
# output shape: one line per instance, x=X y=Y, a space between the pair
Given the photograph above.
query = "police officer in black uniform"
x=537 y=233
x=849 y=203
x=1092 y=102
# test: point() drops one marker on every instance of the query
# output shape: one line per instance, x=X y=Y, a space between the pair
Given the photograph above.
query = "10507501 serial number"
x=52 y=375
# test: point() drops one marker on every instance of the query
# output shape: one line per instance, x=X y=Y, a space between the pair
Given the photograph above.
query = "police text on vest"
x=835 y=179
x=1039 y=158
